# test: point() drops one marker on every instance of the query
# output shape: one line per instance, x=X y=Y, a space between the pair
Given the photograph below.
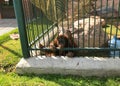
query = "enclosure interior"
x=94 y=24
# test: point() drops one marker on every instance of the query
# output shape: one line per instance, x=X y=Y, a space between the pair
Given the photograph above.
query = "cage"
x=69 y=27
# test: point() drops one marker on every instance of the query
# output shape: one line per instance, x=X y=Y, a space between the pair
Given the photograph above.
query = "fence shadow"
x=10 y=50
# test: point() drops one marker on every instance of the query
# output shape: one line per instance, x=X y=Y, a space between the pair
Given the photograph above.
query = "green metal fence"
x=94 y=25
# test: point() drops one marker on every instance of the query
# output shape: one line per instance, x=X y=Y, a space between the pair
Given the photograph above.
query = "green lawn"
x=10 y=54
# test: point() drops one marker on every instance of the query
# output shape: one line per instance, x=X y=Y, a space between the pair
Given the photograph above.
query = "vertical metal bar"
x=47 y=23
x=89 y=25
x=27 y=21
x=101 y=5
x=111 y=31
x=94 y=25
x=67 y=10
x=107 y=21
x=73 y=10
x=21 y=25
x=83 y=16
x=57 y=18
x=32 y=14
x=118 y=20
x=78 y=22
x=0 y=10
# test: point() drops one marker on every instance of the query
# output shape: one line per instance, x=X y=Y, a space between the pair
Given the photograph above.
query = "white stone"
x=84 y=66
x=89 y=32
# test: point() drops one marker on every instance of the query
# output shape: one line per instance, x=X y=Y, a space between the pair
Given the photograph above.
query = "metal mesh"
x=94 y=25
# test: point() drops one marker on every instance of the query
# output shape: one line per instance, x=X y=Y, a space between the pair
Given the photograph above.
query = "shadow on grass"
x=10 y=50
x=74 y=80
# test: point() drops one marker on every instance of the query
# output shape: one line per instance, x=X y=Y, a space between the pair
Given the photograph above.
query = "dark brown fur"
x=62 y=41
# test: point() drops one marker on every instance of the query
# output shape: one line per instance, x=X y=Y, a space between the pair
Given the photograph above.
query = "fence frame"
x=21 y=26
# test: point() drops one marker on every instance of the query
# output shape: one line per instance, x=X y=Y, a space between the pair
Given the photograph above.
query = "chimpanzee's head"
x=62 y=41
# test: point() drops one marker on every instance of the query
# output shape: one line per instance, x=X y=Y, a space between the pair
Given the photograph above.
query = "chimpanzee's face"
x=62 y=41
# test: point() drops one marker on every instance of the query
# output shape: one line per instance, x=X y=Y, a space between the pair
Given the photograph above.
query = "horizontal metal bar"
x=75 y=49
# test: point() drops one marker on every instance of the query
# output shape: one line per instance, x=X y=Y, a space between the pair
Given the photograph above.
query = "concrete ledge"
x=84 y=66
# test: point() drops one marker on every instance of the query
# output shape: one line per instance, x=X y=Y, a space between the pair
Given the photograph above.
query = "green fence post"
x=21 y=25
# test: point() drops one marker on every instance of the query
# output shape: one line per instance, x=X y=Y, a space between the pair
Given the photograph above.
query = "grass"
x=10 y=54
x=12 y=79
